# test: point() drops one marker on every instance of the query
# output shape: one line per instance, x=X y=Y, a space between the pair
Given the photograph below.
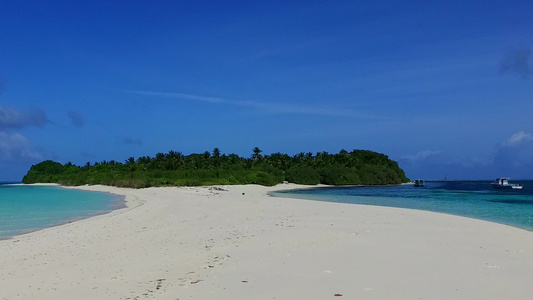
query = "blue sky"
x=444 y=89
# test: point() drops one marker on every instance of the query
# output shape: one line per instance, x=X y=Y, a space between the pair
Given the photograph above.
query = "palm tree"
x=322 y=159
x=298 y=158
x=159 y=161
x=175 y=160
x=216 y=153
x=216 y=157
x=257 y=154
x=144 y=160
x=130 y=163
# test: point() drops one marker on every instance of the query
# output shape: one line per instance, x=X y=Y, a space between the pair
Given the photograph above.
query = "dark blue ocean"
x=29 y=208
x=474 y=199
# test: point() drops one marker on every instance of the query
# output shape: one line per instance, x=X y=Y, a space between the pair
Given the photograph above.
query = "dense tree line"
x=213 y=168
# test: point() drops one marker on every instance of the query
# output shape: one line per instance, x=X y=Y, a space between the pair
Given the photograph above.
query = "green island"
x=358 y=167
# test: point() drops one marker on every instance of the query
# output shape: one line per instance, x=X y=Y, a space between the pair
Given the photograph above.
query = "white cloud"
x=420 y=156
x=14 y=147
x=513 y=157
x=518 y=138
x=516 y=152
x=12 y=118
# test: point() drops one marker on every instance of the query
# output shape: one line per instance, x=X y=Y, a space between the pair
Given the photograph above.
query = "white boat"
x=503 y=183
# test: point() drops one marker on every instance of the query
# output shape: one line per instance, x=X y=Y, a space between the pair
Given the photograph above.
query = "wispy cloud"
x=512 y=157
x=76 y=119
x=178 y=96
x=420 y=156
x=516 y=61
x=518 y=138
x=268 y=107
x=516 y=151
x=132 y=141
x=11 y=118
x=293 y=48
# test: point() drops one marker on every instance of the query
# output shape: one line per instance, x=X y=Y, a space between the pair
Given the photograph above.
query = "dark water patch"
x=521 y=202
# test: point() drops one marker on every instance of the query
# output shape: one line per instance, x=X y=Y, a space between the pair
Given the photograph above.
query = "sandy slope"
x=204 y=243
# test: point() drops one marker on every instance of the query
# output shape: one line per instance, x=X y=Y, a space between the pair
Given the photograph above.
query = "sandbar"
x=236 y=242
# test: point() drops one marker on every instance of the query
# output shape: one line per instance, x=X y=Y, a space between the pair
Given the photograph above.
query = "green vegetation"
x=174 y=168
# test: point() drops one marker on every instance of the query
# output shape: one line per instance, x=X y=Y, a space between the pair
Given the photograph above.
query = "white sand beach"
x=236 y=242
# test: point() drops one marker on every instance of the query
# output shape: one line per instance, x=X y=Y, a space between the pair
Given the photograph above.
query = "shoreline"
x=414 y=209
x=118 y=204
x=287 y=194
x=236 y=242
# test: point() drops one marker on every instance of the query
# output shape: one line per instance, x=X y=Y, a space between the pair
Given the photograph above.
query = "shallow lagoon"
x=28 y=208
x=474 y=199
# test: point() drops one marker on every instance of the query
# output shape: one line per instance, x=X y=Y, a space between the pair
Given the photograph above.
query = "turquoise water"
x=28 y=208
x=474 y=199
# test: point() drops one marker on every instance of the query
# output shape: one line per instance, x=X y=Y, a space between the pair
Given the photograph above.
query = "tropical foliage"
x=213 y=168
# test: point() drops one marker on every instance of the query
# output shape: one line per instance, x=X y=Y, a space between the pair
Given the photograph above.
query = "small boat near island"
x=419 y=183
x=503 y=184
